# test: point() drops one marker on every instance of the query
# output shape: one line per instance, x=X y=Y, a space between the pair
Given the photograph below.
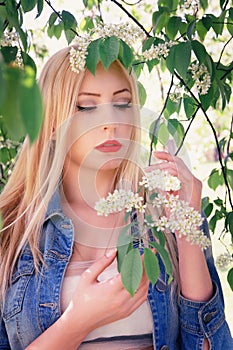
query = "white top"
x=132 y=332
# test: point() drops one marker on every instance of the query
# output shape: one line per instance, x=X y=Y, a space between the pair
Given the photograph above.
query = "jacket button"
x=207 y=317
x=164 y=347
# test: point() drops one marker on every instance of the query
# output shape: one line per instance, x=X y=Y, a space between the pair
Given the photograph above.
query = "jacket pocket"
x=16 y=290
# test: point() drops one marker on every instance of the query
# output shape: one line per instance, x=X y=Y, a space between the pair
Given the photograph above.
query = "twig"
x=59 y=15
x=186 y=131
x=215 y=137
x=158 y=119
x=223 y=49
x=131 y=17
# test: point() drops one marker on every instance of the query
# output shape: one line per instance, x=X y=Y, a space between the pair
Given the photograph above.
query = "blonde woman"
x=59 y=284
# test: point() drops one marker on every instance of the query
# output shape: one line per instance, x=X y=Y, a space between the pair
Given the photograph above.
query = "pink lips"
x=109 y=146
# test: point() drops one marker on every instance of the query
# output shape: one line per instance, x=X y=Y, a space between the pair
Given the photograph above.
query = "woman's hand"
x=191 y=187
x=95 y=304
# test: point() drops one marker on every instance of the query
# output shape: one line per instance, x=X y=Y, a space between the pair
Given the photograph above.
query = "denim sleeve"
x=200 y=320
x=4 y=343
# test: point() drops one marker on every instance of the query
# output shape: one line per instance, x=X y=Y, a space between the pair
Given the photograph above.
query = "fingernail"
x=110 y=252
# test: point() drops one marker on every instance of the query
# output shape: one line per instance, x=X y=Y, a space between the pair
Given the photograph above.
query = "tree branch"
x=186 y=131
x=215 y=137
x=157 y=120
x=132 y=17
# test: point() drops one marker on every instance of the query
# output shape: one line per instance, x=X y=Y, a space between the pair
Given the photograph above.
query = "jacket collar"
x=54 y=207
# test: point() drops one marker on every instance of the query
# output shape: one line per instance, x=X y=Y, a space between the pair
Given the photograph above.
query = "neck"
x=86 y=187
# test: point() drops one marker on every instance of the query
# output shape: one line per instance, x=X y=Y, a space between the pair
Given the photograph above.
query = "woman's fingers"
x=92 y=273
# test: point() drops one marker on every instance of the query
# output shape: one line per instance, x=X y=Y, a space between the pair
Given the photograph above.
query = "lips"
x=109 y=146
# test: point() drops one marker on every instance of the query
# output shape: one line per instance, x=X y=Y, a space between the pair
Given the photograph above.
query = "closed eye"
x=86 y=108
x=123 y=105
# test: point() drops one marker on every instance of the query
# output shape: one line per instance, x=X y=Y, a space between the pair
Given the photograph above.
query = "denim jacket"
x=32 y=301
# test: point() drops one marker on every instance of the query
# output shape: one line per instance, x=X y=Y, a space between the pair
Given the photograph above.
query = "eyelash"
x=91 y=108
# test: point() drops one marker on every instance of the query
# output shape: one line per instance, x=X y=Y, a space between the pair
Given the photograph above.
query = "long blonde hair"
x=37 y=171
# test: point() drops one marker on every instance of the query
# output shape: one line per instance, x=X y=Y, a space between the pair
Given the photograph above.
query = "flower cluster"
x=157 y=179
x=78 y=56
x=156 y=52
x=181 y=219
x=202 y=78
x=11 y=38
x=124 y=31
x=119 y=200
x=175 y=96
x=224 y=260
x=191 y=5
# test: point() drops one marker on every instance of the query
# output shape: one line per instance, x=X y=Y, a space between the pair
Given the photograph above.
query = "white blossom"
x=124 y=31
x=162 y=180
x=224 y=260
x=119 y=200
x=201 y=77
x=190 y=6
x=156 y=52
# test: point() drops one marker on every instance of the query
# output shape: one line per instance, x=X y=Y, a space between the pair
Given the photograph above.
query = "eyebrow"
x=98 y=95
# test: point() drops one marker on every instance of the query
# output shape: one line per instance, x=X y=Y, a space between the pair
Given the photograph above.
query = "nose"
x=110 y=120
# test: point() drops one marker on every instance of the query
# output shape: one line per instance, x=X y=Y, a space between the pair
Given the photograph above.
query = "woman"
x=59 y=284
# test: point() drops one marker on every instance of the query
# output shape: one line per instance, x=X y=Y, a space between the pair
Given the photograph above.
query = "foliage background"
x=203 y=34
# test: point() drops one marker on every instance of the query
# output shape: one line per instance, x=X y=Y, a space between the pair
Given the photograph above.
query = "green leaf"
x=191 y=29
x=142 y=93
x=163 y=135
x=151 y=265
x=28 y=61
x=199 y=50
x=108 y=50
x=164 y=256
x=57 y=30
x=218 y=23
x=230 y=21
x=207 y=206
x=52 y=19
x=131 y=271
x=9 y=53
x=215 y=179
x=206 y=99
x=170 y=60
x=9 y=110
x=2 y=84
x=173 y=27
x=160 y=19
x=153 y=132
x=125 y=54
x=160 y=235
x=230 y=222
x=204 y=4
x=28 y=5
x=30 y=104
x=230 y=177
x=230 y=278
x=123 y=245
x=171 y=107
x=176 y=129
x=182 y=58
x=40 y=6
x=201 y=28
x=87 y=23
x=189 y=106
x=70 y=35
x=68 y=20
x=92 y=58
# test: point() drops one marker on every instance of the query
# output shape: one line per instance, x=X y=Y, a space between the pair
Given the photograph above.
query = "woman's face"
x=102 y=125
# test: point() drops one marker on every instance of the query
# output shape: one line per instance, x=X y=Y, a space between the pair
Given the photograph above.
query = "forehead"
x=114 y=78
